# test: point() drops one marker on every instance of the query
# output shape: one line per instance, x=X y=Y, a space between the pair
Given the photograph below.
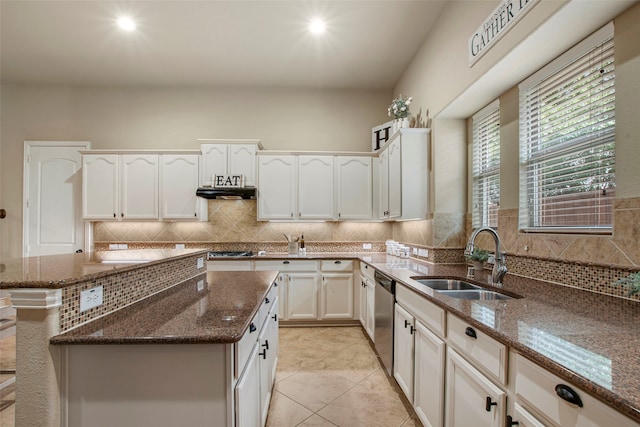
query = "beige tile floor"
x=330 y=376
x=326 y=376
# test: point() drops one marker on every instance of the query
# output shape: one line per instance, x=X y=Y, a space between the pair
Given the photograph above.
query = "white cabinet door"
x=353 y=189
x=403 y=349
x=277 y=187
x=281 y=281
x=395 y=179
x=248 y=393
x=371 y=313
x=214 y=162
x=100 y=186
x=471 y=398
x=242 y=161
x=428 y=391
x=302 y=296
x=268 y=358
x=315 y=187
x=229 y=159
x=522 y=418
x=383 y=184
x=363 y=302
x=139 y=186
x=337 y=296
x=178 y=186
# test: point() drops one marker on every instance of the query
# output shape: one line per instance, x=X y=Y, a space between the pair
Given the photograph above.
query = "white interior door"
x=53 y=197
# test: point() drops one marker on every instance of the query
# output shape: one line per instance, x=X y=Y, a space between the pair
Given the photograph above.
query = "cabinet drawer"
x=535 y=387
x=228 y=265
x=286 y=265
x=337 y=265
x=367 y=271
x=489 y=354
x=245 y=345
x=424 y=310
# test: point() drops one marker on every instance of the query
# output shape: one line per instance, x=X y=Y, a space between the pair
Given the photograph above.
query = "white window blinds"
x=486 y=166
x=567 y=140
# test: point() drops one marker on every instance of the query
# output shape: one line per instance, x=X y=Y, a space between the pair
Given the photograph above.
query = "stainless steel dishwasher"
x=385 y=298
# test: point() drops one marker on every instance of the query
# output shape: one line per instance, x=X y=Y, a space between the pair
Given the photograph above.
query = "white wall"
x=172 y=118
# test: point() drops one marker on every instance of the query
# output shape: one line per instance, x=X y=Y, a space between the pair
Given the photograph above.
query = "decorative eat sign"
x=228 y=180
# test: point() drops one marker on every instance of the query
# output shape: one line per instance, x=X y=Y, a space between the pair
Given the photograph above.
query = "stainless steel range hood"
x=233 y=193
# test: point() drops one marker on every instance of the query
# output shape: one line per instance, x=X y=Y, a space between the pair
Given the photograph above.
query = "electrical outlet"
x=123 y=246
x=179 y=245
x=113 y=246
x=415 y=251
x=91 y=298
x=200 y=263
x=200 y=285
x=366 y=246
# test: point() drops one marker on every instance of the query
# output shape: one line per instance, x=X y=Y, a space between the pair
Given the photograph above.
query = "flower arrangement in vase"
x=399 y=110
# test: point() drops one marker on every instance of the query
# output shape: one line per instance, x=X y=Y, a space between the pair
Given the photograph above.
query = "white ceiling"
x=367 y=45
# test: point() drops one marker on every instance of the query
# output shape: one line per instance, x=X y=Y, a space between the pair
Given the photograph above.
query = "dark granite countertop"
x=59 y=271
x=213 y=308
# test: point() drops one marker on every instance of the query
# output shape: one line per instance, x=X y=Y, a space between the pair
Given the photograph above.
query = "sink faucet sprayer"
x=500 y=259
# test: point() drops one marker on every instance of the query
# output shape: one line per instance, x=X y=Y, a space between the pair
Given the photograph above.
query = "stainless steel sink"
x=475 y=294
x=446 y=284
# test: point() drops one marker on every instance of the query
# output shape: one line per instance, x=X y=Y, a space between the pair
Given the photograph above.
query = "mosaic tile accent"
x=590 y=277
x=128 y=287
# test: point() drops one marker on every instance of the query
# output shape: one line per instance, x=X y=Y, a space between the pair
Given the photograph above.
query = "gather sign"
x=501 y=20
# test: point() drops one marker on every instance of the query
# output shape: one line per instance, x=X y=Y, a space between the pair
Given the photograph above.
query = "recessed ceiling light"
x=317 y=26
x=126 y=23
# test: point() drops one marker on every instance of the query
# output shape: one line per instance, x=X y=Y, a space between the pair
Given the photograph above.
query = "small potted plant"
x=631 y=282
x=399 y=109
x=478 y=257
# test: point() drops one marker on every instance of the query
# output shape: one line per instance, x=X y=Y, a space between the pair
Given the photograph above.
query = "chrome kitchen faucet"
x=500 y=258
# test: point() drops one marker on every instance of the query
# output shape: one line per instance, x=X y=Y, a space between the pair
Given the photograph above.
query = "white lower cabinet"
x=256 y=372
x=302 y=296
x=268 y=359
x=367 y=299
x=419 y=366
x=336 y=293
x=403 y=349
x=371 y=309
x=428 y=379
x=248 y=393
x=471 y=398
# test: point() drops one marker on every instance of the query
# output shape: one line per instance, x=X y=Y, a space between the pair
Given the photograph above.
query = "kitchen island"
x=47 y=291
x=178 y=357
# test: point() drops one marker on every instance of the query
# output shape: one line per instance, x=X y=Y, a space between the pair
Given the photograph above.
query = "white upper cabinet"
x=178 y=186
x=315 y=187
x=277 y=187
x=322 y=187
x=403 y=176
x=100 y=186
x=139 y=186
x=229 y=158
x=353 y=189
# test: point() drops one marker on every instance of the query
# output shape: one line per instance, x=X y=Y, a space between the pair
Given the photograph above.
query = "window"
x=486 y=166
x=567 y=140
